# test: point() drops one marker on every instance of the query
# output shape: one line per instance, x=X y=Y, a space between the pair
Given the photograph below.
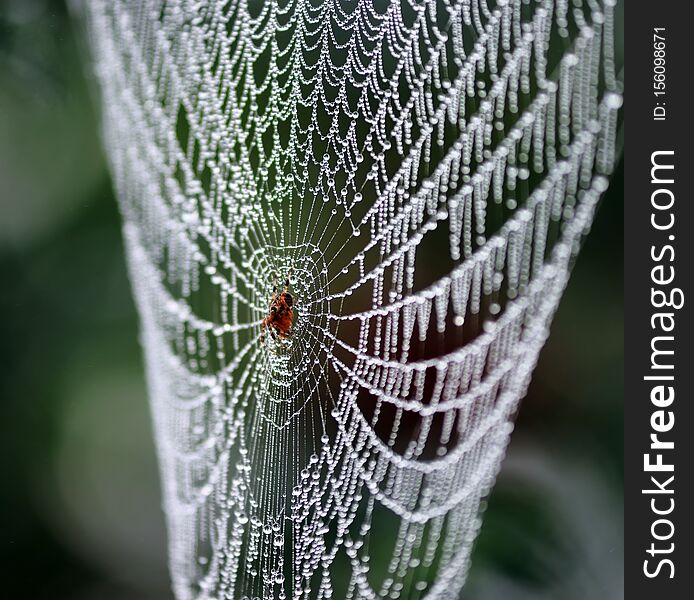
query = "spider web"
x=426 y=172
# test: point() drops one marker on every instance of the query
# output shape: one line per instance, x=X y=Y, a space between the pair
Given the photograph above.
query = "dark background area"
x=80 y=514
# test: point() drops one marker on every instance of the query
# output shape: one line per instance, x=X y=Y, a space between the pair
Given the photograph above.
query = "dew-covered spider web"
x=424 y=172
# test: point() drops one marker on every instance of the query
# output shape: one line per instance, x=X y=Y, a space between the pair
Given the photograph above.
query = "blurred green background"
x=80 y=514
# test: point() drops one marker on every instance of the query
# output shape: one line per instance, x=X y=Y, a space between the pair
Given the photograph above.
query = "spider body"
x=280 y=315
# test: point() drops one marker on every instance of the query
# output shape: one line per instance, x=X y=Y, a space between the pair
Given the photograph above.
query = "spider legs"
x=272 y=329
x=288 y=279
x=287 y=282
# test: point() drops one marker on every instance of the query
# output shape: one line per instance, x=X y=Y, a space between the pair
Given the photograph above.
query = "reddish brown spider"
x=280 y=315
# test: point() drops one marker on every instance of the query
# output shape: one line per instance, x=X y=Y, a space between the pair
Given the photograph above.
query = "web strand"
x=424 y=172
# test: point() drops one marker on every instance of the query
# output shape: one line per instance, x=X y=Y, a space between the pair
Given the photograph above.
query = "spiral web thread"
x=425 y=172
